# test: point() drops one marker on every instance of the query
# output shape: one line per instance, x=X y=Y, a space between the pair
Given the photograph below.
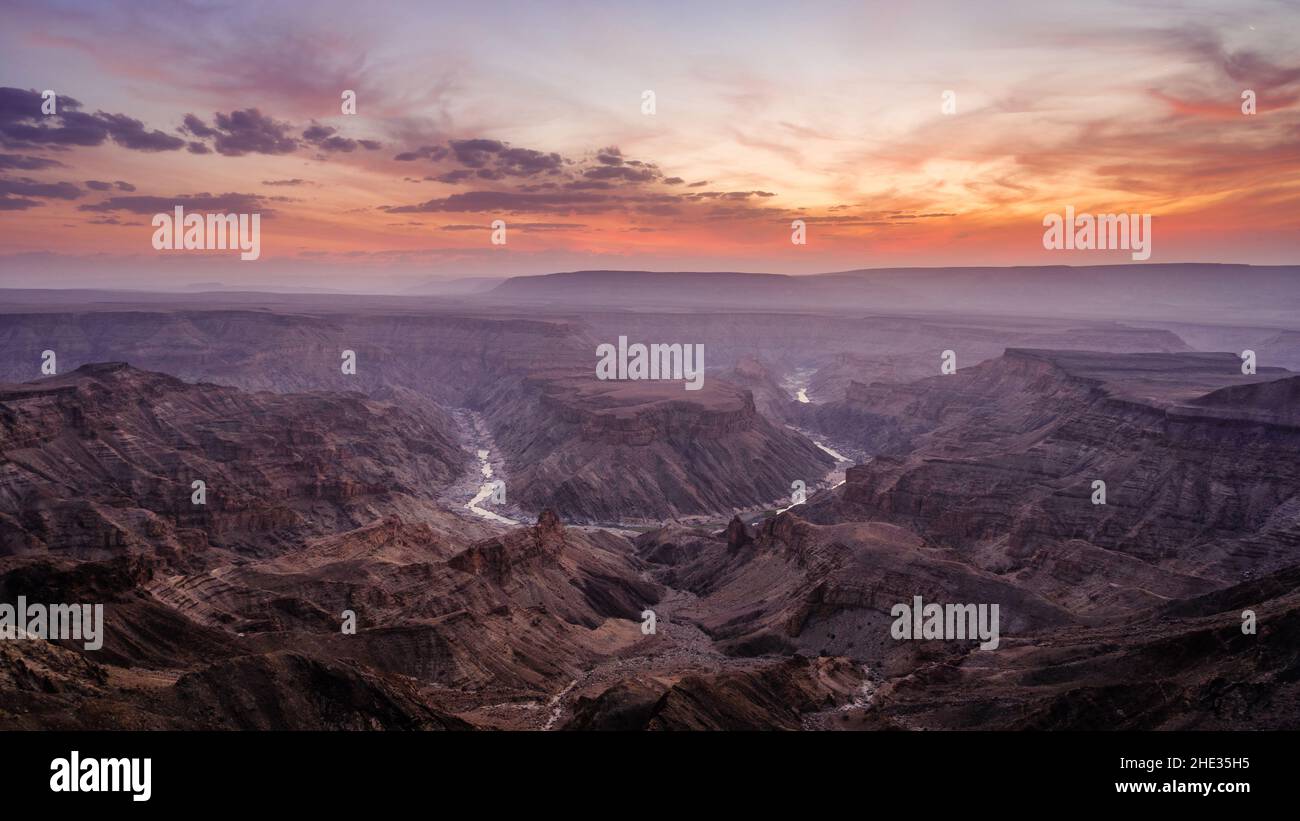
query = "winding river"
x=478 y=439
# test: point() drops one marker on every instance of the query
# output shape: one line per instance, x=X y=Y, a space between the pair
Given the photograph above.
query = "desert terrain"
x=372 y=493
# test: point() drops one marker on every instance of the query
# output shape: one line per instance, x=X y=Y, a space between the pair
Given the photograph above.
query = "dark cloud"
x=338 y=144
x=588 y=185
x=242 y=132
x=230 y=202
x=25 y=104
x=24 y=187
x=124 y=186
x=502 y=202
x=315 y=133
x=459 y=175
x=22 y=123
x=604 y=182
x=131 y=133
x=199 y=148
x=25 y=163
x=327 y=138
x=294 y=181
x=487 y=160
x=196 y=127
x=424 y=152
x=525 y=162
x=626 y=173
x=70 y=128
x=249 y=131
x=16 y=204
x=99 y=185
x=475 y=153
x=495 y=160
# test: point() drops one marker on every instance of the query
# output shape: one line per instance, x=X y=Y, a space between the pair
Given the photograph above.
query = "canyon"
x=327 y=493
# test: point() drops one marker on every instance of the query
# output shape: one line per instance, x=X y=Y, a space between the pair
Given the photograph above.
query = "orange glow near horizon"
x=1144 y=116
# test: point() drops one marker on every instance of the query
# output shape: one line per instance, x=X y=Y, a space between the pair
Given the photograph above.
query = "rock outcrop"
x=644 y=451
x=103 y=461
x=1200 y=477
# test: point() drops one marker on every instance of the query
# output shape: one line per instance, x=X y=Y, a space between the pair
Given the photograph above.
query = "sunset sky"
x=532 y=113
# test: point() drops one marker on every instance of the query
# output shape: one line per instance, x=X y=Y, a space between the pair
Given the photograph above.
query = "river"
x=477 y=438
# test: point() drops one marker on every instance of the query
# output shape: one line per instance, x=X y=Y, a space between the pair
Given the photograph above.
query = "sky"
x=535 y=114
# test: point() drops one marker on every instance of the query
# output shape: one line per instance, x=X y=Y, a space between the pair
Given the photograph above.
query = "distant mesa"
x=1175 y=291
